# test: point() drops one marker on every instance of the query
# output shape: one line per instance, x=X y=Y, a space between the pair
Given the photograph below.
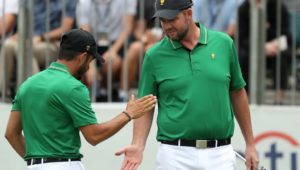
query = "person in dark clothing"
x=272 y=48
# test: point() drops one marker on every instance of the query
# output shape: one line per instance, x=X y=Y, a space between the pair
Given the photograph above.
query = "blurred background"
x=266 y=33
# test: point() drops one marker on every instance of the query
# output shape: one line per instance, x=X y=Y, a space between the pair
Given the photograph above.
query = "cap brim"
x=99 y=57
x=166 y=14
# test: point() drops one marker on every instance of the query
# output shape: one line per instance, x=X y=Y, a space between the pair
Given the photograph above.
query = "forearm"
x=127 y=30
x=109 y=128
x=86 y=27
x=119 y=43
x=9 y=24
x=55 y=34
x=97 y=133
x=18 y=143
x=242 y=113
x=14 y=133
x=141 y=129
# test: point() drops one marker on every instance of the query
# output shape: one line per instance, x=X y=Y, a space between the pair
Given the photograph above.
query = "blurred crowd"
x=125 y=29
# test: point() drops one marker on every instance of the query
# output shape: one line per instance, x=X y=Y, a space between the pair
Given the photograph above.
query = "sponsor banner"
x=277 y=138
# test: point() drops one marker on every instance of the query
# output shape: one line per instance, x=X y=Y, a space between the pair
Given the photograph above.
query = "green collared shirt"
x=53 y=105
x=193 y=86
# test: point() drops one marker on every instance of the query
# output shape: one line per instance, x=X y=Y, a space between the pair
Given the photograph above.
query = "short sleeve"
x=78 y=105
x=237 y=81
x=84 y=11
x=131 y=7
x=71 y=8
x=11 y=6
x=147 y=83
x=16 y=103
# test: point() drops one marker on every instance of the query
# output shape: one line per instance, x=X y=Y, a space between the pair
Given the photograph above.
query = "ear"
x=81 y=57
x=190 y=12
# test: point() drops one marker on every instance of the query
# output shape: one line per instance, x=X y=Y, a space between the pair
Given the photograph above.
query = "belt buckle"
x=201 y=143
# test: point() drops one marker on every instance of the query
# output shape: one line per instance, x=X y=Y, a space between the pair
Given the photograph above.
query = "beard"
x=81 y=71
x=180 y=34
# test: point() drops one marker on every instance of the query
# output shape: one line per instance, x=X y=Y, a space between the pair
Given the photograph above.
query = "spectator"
x=112 y=22
x=145 y=35
x=58 y=25
x=218 y=15
x=10 y=11
x=10 y=16
x=271 y=46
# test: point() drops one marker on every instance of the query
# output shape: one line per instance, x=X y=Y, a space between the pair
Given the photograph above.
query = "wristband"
x=128 y=116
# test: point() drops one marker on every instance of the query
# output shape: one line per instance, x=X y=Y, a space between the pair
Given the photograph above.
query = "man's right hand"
x=271 y=49
x=138 y=107
x=133 y=157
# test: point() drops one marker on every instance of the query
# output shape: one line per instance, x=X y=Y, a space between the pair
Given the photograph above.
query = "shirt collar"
x=202 y=38
x=203 y=34
x=59 y=66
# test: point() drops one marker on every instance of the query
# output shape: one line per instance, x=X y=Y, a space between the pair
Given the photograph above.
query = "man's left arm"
x=9 y=22
x=55 y=34
x=14 y=133
x=127 y=23
x=67 y=23
x=242 y=114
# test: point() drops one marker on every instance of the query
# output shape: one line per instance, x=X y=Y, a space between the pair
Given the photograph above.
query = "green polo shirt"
x=53 y=105
x=193 y=87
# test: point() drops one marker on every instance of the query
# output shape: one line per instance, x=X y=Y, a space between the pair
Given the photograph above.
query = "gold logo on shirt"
x=162 y=2
x=213 y=56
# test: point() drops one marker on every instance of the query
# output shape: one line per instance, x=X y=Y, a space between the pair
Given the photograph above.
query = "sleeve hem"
x=85 y=124
x=238 y=87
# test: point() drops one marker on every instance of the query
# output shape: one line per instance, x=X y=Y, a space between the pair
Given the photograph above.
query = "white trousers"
x=72 y=165
x=170 y=157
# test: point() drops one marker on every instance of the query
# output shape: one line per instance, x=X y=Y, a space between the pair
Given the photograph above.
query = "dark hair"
x=67 y=54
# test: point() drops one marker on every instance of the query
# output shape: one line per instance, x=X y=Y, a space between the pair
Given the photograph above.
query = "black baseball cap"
x=81 y=41
x=169 y=9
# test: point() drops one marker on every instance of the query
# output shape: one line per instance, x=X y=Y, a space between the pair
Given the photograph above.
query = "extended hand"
x=133 y=157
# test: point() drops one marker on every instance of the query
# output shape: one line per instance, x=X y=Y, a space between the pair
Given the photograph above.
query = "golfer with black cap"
x=196 y=75
x=52 y=106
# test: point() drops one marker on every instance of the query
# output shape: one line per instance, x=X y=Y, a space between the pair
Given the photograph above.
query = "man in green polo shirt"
x=52 y=106
x=196 y=75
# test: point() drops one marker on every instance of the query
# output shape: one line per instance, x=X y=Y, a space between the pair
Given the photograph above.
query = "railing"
x=259 y=93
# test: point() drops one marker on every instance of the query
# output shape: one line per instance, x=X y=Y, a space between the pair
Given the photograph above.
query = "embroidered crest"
x=213 y=56
x=88 y=48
